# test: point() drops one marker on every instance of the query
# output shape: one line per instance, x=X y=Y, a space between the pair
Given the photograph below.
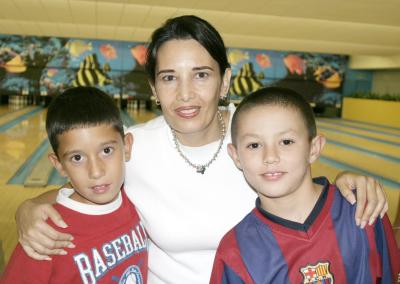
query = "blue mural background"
x=319 y=77
x=48 y=65
x=43 y=65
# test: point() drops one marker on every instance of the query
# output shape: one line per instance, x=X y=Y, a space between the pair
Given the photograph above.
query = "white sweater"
x=185 y=213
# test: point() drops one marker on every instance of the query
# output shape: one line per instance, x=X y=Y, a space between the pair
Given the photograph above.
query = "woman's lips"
x=187 y=112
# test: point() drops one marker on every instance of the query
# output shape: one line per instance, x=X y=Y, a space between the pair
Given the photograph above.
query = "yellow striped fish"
x=246 y=81
x=90 y=73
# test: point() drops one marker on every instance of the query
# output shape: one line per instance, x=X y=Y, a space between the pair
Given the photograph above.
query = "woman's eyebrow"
x=164 y=71
x=202 y=68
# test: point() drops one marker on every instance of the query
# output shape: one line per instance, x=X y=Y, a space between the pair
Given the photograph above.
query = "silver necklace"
x=200 y=168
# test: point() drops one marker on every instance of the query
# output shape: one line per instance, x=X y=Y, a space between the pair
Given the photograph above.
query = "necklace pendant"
x=201 y=169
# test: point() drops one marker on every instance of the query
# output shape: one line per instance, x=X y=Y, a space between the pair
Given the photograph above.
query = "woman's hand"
x=371 y=198
x=38 y=239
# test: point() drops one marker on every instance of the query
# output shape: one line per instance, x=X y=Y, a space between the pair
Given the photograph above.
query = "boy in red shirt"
x=90 y=149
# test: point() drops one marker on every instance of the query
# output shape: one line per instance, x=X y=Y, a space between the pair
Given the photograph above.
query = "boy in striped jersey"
x=300 y=231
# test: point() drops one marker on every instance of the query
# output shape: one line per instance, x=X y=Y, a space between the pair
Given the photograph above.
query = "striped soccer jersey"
x=327 y=248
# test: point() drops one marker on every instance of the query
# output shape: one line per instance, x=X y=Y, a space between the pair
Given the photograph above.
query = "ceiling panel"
x=86 y=31
x=68 y=30
x=48 y=28
x=109 y=14
x=58 y=11
x=134 y=15
x=147 y=2
x=9 y=10
x=27 y=28
x=83 y=12
x=10 y=27
x=142 y=34
x=157 y=16
x=361 y=27
x=105 y=32
x=180 y=3
x=30 y=10
x=210 y=5
x=124 y=33
x=275 y=43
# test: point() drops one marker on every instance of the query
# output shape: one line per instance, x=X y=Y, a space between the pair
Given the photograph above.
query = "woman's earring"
x=158 y=101
x=224 y=100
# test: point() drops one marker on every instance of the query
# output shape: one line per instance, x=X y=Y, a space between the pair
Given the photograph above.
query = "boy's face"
x=93 y=158
x=273 y=150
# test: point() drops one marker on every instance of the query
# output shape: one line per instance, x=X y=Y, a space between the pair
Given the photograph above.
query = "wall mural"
x=43 y=65
x=48 y=65
x=319 y=77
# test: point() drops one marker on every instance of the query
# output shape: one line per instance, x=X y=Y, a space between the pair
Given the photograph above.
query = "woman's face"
x=188 y=84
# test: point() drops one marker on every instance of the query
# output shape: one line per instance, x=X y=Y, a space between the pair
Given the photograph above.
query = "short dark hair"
x=279 y=97
x=80 y=107
x=187 y=27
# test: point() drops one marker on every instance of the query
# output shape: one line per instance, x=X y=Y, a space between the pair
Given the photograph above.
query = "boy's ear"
x=56 y=163
x=233 y=153
x=128 y=142
x=317 y=144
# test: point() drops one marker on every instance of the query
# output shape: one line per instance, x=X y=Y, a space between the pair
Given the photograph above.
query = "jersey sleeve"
x=23 y=269
x=388 y=250
x=228 y=265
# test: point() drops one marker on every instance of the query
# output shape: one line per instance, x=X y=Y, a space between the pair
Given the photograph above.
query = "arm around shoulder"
x=37 y=238
x=371 y=198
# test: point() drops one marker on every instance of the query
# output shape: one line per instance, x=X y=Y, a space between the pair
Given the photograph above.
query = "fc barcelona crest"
x=317 y=274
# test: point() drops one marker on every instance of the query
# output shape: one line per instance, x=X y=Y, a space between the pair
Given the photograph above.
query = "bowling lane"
x=362 y=125
x=384 y=137
x=365 y=144
x=387 y=168
x=11 y=197
x=4 y=109
x=19 y=142
x=10 y=115
x=140 y=115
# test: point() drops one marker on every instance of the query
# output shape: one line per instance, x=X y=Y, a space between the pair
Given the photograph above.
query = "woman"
x=180 y=178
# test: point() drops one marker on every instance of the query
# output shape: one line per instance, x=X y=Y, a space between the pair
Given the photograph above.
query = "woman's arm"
x=371 y=198
x=38 y=239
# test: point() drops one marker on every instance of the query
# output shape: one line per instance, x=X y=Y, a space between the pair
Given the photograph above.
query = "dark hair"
x=187 y=27
x=280 y=97
x=80 y=107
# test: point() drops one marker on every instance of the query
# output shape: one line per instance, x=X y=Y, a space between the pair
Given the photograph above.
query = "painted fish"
x=236 y=55
x=139 y=53
x=295 y=64
x=90 y=73
x=15 y=65
x=51 y=72
x=328 y=76
x=246 y=81
x=77 y=47
x=108 y=51
x=263 y=60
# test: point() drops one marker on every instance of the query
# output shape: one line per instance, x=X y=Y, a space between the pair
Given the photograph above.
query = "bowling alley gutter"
x=19 y=119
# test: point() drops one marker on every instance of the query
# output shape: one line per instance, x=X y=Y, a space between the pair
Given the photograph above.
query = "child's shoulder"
x=245 y=226
x=79 y=216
